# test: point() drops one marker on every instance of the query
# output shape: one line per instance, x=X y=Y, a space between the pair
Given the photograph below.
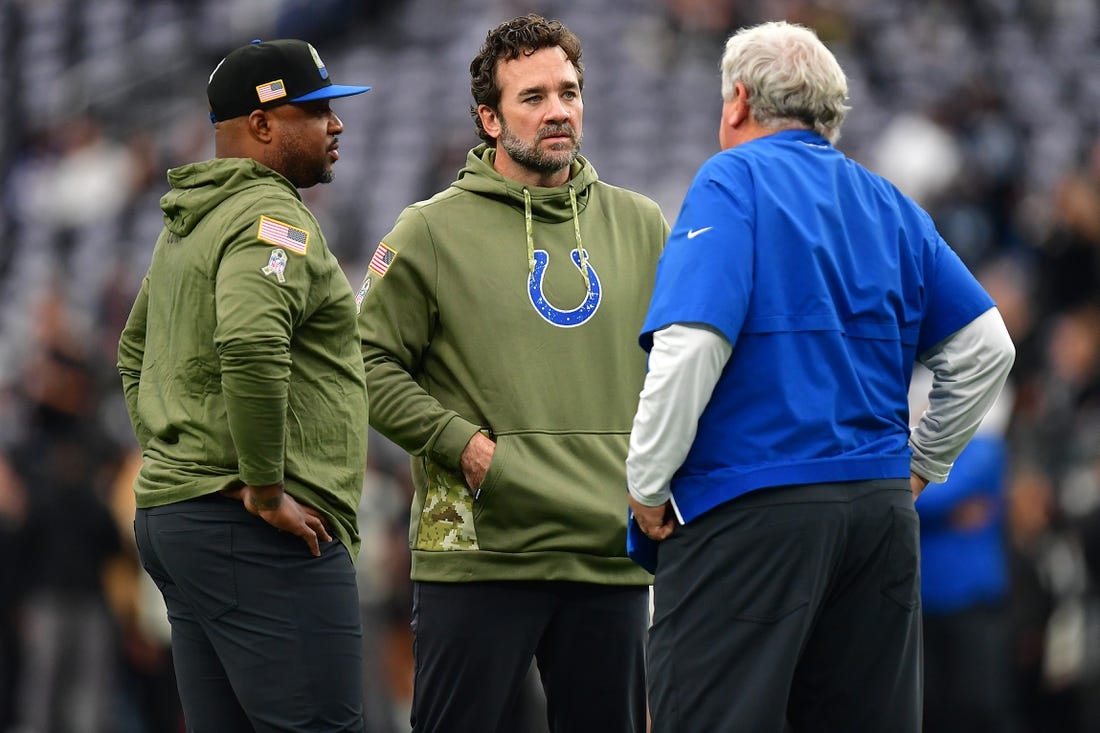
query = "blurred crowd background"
x=985 y=111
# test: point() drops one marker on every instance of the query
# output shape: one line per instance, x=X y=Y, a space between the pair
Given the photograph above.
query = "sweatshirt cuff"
x=452 y=440
x=654 y=499
x=935 y=471
x=260 y=477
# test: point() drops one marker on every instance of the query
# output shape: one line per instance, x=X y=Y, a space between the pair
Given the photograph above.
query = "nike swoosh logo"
x=693 y=233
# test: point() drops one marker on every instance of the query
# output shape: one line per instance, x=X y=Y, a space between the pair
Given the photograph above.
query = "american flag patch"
x=273 y=231
x=271 y=90
x=383 y=257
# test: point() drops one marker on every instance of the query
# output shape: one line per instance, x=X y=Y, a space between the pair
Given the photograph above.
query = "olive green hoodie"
x=239 y=360
x=480 y=312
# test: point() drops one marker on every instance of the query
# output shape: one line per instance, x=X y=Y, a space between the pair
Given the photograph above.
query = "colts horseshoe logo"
x=562 y=318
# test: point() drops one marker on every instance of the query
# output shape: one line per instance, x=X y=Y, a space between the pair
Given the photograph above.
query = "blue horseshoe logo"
x=563 y=319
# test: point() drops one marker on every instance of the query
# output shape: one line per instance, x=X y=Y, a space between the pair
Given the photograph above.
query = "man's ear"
x=260 y=125
x=490 y=120
x=739 y=109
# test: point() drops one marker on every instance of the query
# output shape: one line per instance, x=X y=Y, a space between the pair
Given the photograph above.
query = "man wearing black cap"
x=245 y=388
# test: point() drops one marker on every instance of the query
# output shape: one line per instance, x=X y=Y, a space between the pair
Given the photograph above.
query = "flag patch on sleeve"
x=275 y=232
x=383 y=258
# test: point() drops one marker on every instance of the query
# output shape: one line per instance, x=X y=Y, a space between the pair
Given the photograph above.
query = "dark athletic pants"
x=795 y=606
x=968 y=671
x=265 y=637
x=473 y=645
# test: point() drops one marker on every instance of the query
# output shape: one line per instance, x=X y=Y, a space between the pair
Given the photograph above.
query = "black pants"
x=265 y=637
x=474 y=643
x=968 y=671
x=793 y=608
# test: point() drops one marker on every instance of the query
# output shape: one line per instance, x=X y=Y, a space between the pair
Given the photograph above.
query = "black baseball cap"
x=266 y=74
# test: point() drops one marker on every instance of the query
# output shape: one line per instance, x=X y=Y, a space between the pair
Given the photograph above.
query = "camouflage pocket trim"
x=447 y=517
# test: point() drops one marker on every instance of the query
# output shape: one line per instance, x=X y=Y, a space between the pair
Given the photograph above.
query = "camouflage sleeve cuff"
x=451 y=441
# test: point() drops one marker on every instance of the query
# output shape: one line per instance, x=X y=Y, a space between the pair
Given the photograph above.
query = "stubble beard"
x=533 y=157
x=306 y=176
x=303 y=168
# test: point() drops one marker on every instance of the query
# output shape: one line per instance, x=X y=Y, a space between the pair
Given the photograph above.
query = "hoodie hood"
x=199 y=188
x=547 y=204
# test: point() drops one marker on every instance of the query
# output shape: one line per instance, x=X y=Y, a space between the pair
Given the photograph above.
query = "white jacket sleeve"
x=969 y=368
x=684 y=365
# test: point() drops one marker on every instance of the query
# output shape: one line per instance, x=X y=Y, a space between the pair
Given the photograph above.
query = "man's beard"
x=302 y=167
x=533 y=157
x=304 y=173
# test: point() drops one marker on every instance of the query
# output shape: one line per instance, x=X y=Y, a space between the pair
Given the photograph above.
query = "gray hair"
x=792 y=79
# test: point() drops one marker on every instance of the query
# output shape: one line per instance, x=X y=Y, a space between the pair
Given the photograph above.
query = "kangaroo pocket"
x=443 y=515
x=555 y=493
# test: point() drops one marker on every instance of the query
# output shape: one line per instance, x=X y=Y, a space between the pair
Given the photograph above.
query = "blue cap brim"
x=331 y=92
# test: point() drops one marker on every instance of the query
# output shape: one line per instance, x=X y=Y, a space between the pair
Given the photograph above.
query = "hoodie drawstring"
x=582 y=255
x=530 y=235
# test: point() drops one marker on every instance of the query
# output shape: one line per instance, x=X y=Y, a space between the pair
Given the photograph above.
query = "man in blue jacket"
x=771 y=455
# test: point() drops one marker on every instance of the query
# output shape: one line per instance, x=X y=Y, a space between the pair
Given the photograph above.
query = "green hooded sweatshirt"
x=514 y=310
x=239 y=360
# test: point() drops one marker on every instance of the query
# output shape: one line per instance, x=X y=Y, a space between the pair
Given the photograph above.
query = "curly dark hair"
x=526 y=34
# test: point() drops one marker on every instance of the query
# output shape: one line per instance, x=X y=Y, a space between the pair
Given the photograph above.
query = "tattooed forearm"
x=264 y=504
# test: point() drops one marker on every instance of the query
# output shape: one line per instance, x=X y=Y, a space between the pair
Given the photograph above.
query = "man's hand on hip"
x=656 y=522
x=279 y=509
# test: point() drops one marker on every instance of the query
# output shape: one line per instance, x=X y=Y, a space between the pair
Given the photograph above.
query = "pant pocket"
x=199 y=560
x=902 y=573
x=778 y=583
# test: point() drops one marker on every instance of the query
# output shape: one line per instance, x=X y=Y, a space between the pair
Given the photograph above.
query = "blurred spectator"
x=1069 y=259
x=13 y=515
x=1062 y=429
x=82 y=179
x=919 y=155
x=326 y=20
x=382 y=574
x=147 y=700
x=702 y=19
x=68 y=635
x=1030 y=511
x=1055 y=497
x=965 y=586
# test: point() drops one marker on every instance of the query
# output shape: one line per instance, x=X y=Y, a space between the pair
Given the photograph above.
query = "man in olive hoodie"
x=498 y=322
x=245 y=388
